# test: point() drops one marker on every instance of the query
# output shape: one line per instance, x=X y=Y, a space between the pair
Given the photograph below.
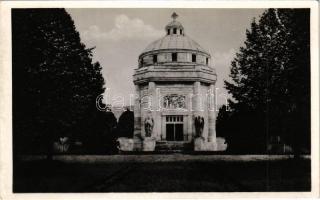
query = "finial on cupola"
x=174 y=16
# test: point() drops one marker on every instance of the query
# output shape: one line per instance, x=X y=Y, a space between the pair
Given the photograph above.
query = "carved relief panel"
x=174 y=101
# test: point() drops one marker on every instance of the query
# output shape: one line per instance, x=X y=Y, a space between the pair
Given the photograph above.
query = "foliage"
x=126 y=124
x=55 y=82
x=270 y=83
x=101 y=135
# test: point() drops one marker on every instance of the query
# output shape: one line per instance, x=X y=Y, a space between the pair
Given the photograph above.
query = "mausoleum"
x=175 y=87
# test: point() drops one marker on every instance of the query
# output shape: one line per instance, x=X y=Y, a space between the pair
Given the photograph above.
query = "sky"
x=119 y=35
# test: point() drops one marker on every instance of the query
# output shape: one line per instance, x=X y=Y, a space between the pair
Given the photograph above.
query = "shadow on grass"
x=186 y=176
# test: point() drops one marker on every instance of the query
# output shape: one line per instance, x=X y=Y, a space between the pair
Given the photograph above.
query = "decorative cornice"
x=175 y=75
x=152 y=52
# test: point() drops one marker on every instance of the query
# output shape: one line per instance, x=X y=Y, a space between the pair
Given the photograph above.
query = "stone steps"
x=173 y=146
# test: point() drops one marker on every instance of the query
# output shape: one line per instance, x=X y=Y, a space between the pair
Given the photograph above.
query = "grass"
x=191 y=174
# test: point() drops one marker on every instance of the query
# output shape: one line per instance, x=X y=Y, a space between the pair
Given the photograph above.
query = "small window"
x=180 y=31
x=141 y=62
x=155 y=58
x=175 y=31
x=174 y=57
x=194 y=58
x=207 y=61
x=168 y=31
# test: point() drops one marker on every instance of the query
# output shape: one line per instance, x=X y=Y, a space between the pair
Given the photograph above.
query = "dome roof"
x=174 y=42
x=175 y=39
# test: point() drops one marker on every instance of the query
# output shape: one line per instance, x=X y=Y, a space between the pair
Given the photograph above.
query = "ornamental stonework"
x=174 y=101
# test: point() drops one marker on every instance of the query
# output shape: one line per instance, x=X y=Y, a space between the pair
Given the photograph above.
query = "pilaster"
x=212 y=114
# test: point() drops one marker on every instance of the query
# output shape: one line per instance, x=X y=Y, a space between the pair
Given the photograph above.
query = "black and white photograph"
x=161 y=99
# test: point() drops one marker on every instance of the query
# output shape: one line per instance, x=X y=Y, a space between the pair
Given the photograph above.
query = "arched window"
x=175 y=31
x=207 y=61
x=180 y=31
x=168 y=31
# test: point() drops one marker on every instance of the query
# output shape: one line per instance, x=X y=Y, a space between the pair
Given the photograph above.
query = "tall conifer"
x=270 y=79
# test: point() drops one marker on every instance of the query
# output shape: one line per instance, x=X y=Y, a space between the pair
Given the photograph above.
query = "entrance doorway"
x=174 y=128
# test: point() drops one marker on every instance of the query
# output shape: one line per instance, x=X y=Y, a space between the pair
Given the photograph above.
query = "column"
x=137 y=112
x=198 y=106
x=212 y=114
x=196 y=98
x=190 y=127
x=154 y=110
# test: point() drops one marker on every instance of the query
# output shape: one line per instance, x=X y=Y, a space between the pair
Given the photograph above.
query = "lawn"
x=162 y=173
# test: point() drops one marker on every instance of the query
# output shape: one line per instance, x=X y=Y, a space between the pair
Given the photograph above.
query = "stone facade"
x=175 y=83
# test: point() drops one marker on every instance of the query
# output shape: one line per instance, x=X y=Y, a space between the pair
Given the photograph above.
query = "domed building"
x=175 y=85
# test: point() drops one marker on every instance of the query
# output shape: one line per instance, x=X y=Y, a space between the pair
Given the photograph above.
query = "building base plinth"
x=221 y=144
x=201 y=145
x=125 y=144
x=149 y=144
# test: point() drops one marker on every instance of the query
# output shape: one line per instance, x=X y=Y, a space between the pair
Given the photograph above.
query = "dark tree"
x=270 y=81
x=125 y=126
x=100 y=137
x=296 y=28
x=55 y=82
